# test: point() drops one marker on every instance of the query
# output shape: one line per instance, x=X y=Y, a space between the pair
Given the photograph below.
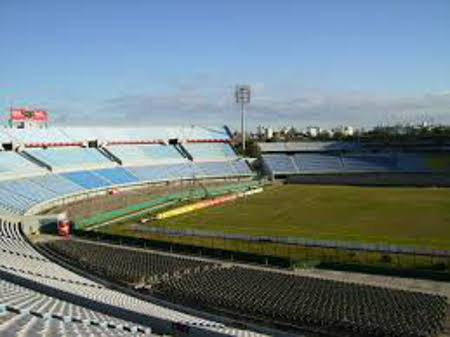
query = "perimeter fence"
x=295 y=255
x=345 y=245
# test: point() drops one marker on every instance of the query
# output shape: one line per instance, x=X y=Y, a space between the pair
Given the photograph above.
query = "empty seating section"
x=12 y=163
x=375 y=163
x=28 y=302
x=182 y=171
x=317 y=162
x=219 y=169
x=197 y=170
x=87 y=179
x=27 y=325
x=351 y=309
x=150 y=153
x=280 y=163
x=56 y=183
x=68 y=157
x=26 y=189
x=20 y=194
x=13 y=203
x=162 y=153
x=35 y=289
x=241 y=167
x=150 y=173
x=117 y=175
x=124 y=264
x=438 y=162
x=25 y=182
x=10 y=243
x=316 y=157
x=411 y=162
x=316 y=146
x=210 y=151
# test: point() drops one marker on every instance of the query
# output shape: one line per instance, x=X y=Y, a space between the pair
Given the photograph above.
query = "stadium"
x=120 y=231
x=225 y=168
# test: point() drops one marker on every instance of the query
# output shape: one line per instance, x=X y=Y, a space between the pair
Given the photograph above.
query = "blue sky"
x=176 y=62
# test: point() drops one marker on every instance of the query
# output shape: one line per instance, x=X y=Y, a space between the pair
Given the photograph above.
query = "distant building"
x=326 y=133
x=345 y=130
x=313 y=131
x=260 y=130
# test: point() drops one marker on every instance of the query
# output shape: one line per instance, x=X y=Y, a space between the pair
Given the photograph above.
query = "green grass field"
x=406 y=216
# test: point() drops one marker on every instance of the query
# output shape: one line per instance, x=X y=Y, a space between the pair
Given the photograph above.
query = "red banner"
x=29 y=115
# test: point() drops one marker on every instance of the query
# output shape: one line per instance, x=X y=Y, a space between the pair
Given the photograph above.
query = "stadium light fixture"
x=243 y=97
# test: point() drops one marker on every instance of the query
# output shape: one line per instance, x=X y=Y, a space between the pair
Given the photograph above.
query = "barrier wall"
x=205 y=203
x=88 y=194
x=193 y=194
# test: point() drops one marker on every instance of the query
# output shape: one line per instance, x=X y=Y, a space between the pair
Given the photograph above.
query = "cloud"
x=206 y=101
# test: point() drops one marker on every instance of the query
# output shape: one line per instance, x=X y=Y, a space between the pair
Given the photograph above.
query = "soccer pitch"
x=406 y=216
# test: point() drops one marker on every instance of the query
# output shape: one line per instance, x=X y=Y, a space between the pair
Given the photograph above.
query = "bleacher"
x=282 y=159
x=40 y=297
x=154 y=173
x=308 y=162
x=71 y=157
x=221 y=169
x=210 y=151
x=18 y=195
x=117 y=175
x=279 y=163
x=316 y=146
x=374 y=163
x=146 y=154
x=47 y=164
x=56 y=183
x=87 y=179
x=12 y=164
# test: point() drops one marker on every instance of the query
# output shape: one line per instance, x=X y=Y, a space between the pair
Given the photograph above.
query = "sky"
x=321 y=62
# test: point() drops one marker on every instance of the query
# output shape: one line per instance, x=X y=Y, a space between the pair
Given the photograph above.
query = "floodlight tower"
x=243 y=97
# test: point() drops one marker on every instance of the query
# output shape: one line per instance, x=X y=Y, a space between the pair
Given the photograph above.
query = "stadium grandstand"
x=41 y=166
x=225 y=168
x=55 y=289
x=341 y=157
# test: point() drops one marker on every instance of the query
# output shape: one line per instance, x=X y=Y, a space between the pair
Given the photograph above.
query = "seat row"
x=19 y=195
x=20 y=300
x=44 y=288
x=283 y=163
x=126 y=265
x=303 y=301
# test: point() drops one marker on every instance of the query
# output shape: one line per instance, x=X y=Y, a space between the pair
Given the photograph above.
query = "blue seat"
x=117 y=175
x=316 y=163
x=222 y=169
x=280 y=163
x=209 y=151
x=149 y=173
x=76 y=157
x=86 y=179
x=56 y=184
